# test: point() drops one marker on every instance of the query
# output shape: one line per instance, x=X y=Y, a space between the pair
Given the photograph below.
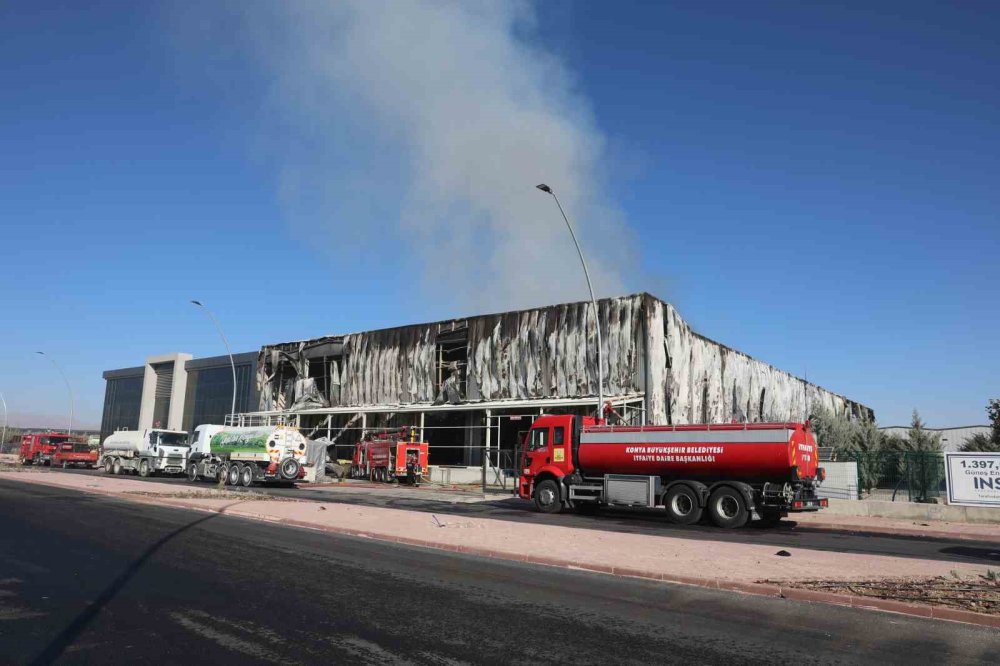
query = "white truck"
x=244 y=456
x=145 y=452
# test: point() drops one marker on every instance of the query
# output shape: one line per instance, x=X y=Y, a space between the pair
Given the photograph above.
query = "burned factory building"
x=471 y=385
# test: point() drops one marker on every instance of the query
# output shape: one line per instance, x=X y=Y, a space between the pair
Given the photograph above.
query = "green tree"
x=982 y=441
x=833 y=430
x=867 y=442
x=920 y=440
x=924 y=461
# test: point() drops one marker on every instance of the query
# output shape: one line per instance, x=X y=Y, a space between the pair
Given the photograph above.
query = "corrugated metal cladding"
x=164 y=379
x=550 y=352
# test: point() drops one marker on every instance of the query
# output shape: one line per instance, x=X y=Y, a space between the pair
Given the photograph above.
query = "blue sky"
x=815 y=187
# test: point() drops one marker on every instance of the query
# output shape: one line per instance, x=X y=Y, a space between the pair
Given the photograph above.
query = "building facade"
x=177 y=392
x=472 y=384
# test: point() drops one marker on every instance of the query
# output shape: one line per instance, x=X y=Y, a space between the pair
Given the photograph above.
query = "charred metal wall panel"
x=548 y=352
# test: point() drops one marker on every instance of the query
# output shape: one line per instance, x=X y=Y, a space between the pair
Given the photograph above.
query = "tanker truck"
x=245 y=456
x=731 y=473
x=145 y=452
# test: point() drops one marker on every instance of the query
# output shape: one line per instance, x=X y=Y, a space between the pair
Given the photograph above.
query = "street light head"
x=544 y=188
x=198 y=303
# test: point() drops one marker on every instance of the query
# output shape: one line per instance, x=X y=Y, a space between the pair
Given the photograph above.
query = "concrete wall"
x=914 y=511
x=454 y=475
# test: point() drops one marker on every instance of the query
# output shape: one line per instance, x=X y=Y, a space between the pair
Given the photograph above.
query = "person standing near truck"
x=412 y=469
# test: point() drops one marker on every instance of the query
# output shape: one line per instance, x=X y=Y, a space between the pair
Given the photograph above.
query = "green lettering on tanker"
x=240 y=442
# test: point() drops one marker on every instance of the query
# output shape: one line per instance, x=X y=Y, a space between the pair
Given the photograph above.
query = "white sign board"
x=973 y=478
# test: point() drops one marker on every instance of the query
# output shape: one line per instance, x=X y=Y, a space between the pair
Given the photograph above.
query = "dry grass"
x=240 y=495
x=980 y=594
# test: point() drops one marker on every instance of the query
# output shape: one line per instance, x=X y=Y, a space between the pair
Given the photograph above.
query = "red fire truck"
x=388 y=456
x=74 y=453
x=731 y=472
x=37 y=448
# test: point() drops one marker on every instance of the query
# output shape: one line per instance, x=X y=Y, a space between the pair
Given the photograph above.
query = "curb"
x=772 y=590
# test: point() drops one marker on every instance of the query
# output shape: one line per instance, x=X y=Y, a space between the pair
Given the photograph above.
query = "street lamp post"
x=232 y=363
x=3 y=439
x=597 y=315
x=68 y=388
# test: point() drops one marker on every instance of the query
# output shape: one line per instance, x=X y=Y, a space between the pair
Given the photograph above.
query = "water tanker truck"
x=730 y=472
x=245 y=456
x=145 y=452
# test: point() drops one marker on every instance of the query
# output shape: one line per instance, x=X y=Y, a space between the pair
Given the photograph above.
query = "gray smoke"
x=421 y=128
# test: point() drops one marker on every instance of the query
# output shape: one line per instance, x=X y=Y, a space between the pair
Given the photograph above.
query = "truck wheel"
x=233 y=478
x=728 y=508
x=144 y=468
x=682 y=506
x=547 y=497
x=222 y=474
x=116 y=467
x=289 y=469
x=193 y=472
x=246 y=476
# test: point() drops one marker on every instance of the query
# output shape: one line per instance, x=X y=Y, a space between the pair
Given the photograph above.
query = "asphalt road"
x=787 y=535
x=90 y=579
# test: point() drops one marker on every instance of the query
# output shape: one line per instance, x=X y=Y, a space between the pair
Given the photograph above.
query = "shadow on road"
x=65 y=638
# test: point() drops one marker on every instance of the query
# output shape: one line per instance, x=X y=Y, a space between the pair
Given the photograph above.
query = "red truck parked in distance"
x=388 y=456
x=74 y=453
x=730 y=472
x=37 y=448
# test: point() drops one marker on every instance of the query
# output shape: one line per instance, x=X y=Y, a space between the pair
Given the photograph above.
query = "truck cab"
x=38 y=448
x=75 y=453
x=547 y=450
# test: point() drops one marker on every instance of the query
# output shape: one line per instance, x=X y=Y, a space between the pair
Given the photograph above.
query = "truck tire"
x=193 y=472
x=116 y=467
x=246 y=476
x=108 y=466
x=728 y=508
x=289 y=469
x=681 y=503
x=547 y=498
x=222 y=473
x=144 y=468
x=233 y=477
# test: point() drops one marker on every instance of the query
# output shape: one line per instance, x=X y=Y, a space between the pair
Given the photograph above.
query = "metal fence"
x=899 y=476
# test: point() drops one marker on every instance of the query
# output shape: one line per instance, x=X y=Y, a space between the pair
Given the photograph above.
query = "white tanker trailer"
x=145 y=452
x=244 y=456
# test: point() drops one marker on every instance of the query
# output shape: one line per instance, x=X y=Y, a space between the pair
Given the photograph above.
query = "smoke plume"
x=420 y=129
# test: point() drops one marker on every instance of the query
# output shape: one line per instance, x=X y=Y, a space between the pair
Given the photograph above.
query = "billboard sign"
x=973 y=478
